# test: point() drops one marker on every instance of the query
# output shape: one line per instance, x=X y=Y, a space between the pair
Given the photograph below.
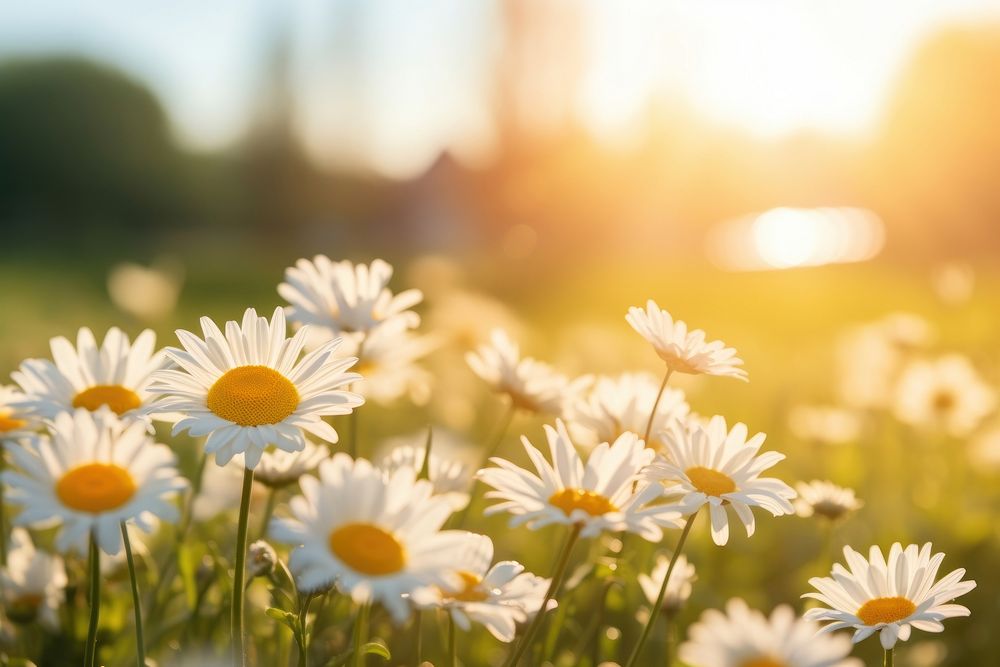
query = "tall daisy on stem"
x=889 y=596
x=681 y=350
x=247 y=389
x=93 y=476
x=604 y=494
x=720 y=468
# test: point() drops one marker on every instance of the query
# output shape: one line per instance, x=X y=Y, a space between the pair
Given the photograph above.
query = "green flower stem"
x=272 y=501
x=140 y=644
x=658 y=605
x=418 y=629
x=556 y=583
x=656 y=404
x=887 y=661
x=239 y=577
x=452 y=642
x=90 y=659
x=360 y=634
x=303 y=639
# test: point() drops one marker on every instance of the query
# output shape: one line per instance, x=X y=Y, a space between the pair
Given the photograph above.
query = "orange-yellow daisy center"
x=24 y=608
x=368 y=549
x=8 y=423
x=95 y=487
x=590 y=502
x=885 y=610
x=710 y=482
x=471 y=590
x=762 y=662
x=118 y=398
x=253 y=396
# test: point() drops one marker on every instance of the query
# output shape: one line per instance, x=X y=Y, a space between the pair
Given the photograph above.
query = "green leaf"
x=376 y=648
x=286 y=617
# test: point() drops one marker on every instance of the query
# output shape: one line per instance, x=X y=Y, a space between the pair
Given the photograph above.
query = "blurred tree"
x=85 y=152
x=936 y=164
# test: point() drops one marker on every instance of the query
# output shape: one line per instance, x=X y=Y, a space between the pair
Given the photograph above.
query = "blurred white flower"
x=684 y=351
x=824 y=424
x=450 y=476
x=147 y=293
x=465 y=318
x=624 y=403
x=953 y=282
x=388 y=359
x=678 y=588
x=531 y=385
x=278 y=468
x=32 y=583
x=888 y=596
x=16 y=420
x=945 y=394
x=497 y=597
x=825 y=499
x=720 y=468
x=743 y=637
x=870 y=356
x=343 y=297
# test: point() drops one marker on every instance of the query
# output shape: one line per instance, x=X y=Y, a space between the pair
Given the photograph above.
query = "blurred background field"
x=551 y=163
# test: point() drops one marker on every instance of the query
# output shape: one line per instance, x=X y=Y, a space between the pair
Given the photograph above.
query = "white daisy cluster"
x=623 y=454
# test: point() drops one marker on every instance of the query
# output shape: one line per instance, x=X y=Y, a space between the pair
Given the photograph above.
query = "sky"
x=390 y=83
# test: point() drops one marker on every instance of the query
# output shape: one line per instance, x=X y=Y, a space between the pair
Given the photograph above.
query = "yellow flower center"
x=24 y=608
x=944 y=401
x=471 y=590
x=762 y=662
x=885 y=610
x=95 y=487
x=253 y=396
x=710 y=482
x=118 y=398
x=8 y=423
x=590 y=502
x=367 y=549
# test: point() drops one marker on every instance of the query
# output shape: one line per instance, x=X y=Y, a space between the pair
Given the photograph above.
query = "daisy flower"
x=278 y=468
x=32 y=584
x=946 y=394
x=603 y=494
x=678 y=588
x=247 y=389
x=15 y=420
x=93 y=473
x=711 y=465
x=450 y=477
x=531 y=385
x=117 y=374
x=827 y=425
x=743 y=637
x=377 y=536
x=684 y=351
x=388 y=363
x=889 y=596
x=343 y=297
x=616 y=405
x=497 y=597
x=825 y=499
